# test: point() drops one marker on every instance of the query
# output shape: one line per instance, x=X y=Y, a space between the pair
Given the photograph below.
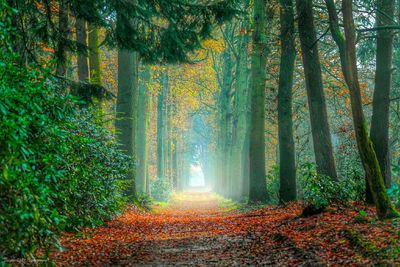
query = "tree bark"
x=347 y=49
x=224 y=124
x=383 y=85
x=125 y=123
x=258 y=187
x=175 y=164
x=82 y=58
x=161 y=127
x=287 y=165
x=94 y=55
x=62 y=38
x=315 y=94
x=240 y=121
x=142 y=126
x=166 y=126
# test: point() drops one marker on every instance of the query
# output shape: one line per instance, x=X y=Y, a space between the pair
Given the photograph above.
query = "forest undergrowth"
x=204 y=229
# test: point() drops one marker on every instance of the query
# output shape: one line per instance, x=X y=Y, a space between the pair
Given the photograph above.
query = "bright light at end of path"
x=196 y=179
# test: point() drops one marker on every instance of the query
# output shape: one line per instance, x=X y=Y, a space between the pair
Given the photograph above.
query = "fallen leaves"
x=195 y=230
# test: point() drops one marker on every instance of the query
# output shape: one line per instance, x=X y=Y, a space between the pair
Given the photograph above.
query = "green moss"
x=378 y=255
x=384 y=207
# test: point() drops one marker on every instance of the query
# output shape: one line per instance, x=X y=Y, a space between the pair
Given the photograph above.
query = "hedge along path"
x=201 y=229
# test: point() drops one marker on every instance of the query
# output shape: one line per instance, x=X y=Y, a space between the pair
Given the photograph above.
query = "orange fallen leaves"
x=195 y=230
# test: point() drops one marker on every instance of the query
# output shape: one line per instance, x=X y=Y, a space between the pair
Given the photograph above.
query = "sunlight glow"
x=196 y=178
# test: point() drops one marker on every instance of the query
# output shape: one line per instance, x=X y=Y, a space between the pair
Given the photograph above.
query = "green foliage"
x=144 y=201
x=161 y=189
x=361 y=217
x=352 y=174
x=58 y=168
x=381 y=256
x=93 y=165
x=273 y=184
x=394 y=193
x=319 y=191
x=159 y=32
x=394 y=190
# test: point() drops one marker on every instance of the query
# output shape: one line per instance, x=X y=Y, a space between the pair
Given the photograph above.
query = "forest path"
x=202 y=229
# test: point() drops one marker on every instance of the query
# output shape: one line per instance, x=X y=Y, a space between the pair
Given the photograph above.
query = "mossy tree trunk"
x=170 y=136
x=125 y=123
x=287 y=164
x=161 y=126
x=315 y=94
x=94 y=55
x=383 y=85
x=347 y=50
x=258 y=187
x=142 y=126
x=82 y=58
x=239 y=122
x=224 y=123
x=166 y=127
x=63 y=34
x=174 y=143
x=175 y=164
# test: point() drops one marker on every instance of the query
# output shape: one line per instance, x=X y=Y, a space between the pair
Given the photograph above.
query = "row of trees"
x=60 y=166
x=226 y=110
x=140 y=38
x=241 y=169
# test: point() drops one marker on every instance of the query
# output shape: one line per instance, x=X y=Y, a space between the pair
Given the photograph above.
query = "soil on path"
x=195 y=229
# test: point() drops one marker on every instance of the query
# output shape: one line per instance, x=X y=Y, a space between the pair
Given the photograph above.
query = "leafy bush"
x=58 y=168
x=394 y=194
x=352 y=174
x=93 y=164
x=273 y=184
x=319 y=191
x=161 y=189
x=394 y=190
x=143 y=200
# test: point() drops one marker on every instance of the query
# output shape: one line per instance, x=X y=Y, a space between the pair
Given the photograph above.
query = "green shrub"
x=394 y=194
x=144 y=200
x=58 y=168
x=161 y=189
x=93 y=164
x=350 y=171
x=319 y=191
x=273 y=184
x=394 y=190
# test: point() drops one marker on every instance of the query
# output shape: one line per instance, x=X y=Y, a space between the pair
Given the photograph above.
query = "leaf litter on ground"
x=196 y=229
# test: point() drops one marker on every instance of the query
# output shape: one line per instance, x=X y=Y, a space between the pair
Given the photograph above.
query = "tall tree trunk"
x=383 y=85
x=18 y=44
x=347 y=50
x=180 y=162
x=125 y=123
x=166 y=126
x=169 y=137
x=175 y=165
x=315 y=94
x=94 y=55
x=287 y=167
x=63 y=32
x=174 y=144
x=258 y=187
x=82 y=58
x=142 y=126
x=240 y=122
x=224 y=114
x=161 y=127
